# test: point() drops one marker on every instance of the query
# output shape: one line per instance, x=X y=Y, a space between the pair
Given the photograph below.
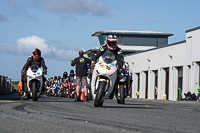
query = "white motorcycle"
x=103 y=78
x=51 y=90
x=34 y=82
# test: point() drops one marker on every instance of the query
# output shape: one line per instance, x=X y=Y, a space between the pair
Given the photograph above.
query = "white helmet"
x=126 y=65
x=112 y=41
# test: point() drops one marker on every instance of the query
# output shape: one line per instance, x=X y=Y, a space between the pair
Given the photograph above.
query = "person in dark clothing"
x=71 y=76
x=55 y=80
x=35 y=59
x=71 y=81
x=65 y=77
x=81 y=72
x=111 y=45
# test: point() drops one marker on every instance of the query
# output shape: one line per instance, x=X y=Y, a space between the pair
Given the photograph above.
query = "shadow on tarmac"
x=17 y=97
x=133 y=105
x=13 y=96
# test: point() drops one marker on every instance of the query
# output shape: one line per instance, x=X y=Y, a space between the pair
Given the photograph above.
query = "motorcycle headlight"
x=38 y=77
x=30 y=77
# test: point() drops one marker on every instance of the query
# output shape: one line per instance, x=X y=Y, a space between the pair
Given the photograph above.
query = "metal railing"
x=7 y=85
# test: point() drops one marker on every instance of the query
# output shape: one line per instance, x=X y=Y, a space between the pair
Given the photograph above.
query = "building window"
x=120 y=40
x=102 y=39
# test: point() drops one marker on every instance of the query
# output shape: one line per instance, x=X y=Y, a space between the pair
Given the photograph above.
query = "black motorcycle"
x=123 y=87
x=189 y=96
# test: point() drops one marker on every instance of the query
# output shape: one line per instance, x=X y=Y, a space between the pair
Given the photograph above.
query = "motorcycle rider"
x=65 y=77
x=81 y=73
x=55 y=80
x=35 y=59
x=60 y=79
x=111 y=45
x=71 y=81
x=129 y=72
x=71 y=76
x=47 y=85
x=51 y=79
x=47 y=82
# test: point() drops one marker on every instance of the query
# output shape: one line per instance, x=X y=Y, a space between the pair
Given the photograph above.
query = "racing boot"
x=112 y=93
x=24 y=89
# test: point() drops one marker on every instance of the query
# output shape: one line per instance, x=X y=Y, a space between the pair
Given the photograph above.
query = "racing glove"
x=120 y=70
x=45 y=72
x=23 y=72
x=93 y=63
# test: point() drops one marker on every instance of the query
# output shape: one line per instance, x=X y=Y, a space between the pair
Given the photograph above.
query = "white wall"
x=183 y=54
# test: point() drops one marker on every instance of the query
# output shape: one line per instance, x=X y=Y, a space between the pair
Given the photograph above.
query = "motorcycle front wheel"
x=100 y=93
x=34 y=92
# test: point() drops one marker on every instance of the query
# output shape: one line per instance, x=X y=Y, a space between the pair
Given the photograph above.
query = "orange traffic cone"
x=82 y=94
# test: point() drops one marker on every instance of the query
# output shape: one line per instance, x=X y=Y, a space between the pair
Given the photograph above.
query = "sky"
x=60 y=28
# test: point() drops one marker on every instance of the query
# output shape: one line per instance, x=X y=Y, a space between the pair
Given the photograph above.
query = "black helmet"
x=59 y=77
x=36 y=54
x=71 y=71
x=65 y=75
x=55 y=77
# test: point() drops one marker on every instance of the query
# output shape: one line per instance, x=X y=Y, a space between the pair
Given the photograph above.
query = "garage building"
x=166 y=71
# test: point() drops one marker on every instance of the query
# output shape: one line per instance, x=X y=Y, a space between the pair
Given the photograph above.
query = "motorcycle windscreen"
x=108 y=57
x=34 y=68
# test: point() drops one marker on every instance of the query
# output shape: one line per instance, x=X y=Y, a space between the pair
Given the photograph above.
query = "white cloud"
x=25 y=46
x=65 y=9
x=95 y=7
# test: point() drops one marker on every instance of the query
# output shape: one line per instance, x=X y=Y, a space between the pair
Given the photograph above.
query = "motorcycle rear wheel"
x=90 y=94
x=120 y=95
x=100 y=93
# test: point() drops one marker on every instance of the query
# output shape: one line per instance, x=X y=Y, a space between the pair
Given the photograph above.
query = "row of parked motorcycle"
x=59 y=87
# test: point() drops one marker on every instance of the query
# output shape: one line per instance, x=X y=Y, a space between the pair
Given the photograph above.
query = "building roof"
x=135 y=48
x=130 y=32
x=193 y=29
x=126 y=48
